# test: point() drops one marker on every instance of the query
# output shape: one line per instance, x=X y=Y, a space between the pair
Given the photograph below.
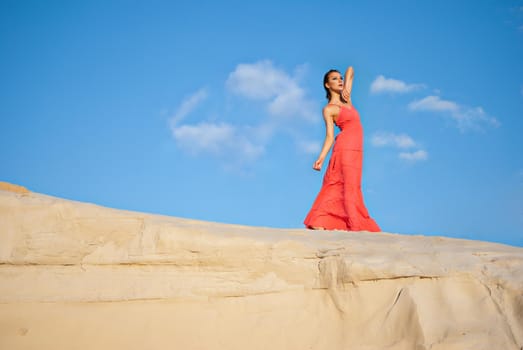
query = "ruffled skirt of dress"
x=339 y=205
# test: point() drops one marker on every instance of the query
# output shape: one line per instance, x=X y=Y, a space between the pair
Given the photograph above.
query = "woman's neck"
x=337 y=99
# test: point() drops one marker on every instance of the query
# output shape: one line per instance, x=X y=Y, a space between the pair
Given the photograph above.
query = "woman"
x=339 y=205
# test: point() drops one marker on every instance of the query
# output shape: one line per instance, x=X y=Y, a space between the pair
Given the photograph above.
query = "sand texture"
x=80 y=276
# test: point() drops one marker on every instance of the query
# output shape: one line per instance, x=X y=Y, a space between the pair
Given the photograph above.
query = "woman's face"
x=334 y=82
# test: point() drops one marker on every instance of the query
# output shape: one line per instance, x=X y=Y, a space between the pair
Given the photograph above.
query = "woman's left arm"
x=347 y=85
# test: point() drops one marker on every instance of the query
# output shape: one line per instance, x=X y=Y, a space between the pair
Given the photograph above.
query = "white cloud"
x=382 y=84
x=218 y=139
x=466 y=118
x=263 y=81
x=204 y=137
x=381 y=139
x=285 y=101
x=188 y=105
x=400 y=141
x=258 y=80
x=433 y=103
x=414 y=156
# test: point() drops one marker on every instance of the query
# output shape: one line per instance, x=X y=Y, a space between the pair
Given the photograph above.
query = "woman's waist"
x=348 y=145
x=350 y=135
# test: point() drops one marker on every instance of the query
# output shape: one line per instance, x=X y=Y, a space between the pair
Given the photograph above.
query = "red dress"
x=339 y=205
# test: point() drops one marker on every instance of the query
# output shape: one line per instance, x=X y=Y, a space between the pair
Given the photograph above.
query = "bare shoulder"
x=331 y=109
x=330 y=112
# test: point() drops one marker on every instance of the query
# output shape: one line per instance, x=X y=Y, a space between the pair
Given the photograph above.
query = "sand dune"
x=80 y=276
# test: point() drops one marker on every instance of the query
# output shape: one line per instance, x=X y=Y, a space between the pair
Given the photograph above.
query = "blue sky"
x=212 y=110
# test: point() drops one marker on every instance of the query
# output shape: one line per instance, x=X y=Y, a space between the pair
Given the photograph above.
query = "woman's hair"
x=326 y=79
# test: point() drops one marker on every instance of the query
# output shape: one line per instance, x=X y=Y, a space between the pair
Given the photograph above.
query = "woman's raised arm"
x=347 y=85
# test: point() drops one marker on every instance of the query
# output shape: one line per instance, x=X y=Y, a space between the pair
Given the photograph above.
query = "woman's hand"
x=317 y=164
x=346 y=95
